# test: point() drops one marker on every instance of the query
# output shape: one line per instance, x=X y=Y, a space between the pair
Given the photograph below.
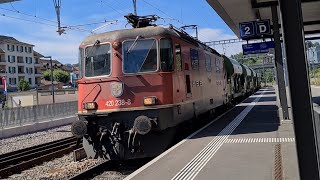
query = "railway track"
x=110 y=166
x=17 y=161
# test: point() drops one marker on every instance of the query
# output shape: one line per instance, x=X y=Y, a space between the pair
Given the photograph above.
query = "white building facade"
x=19 y=61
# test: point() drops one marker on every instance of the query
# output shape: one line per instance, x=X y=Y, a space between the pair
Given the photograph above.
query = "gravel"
x=114 y=175
x=33 y=139
x=59 y=168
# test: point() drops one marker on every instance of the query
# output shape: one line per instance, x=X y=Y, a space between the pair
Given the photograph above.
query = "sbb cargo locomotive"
x=139 y=84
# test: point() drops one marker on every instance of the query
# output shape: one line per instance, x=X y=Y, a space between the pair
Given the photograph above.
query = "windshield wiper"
x=134 y=43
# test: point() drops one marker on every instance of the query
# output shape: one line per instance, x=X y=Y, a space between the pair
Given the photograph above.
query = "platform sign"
x=247 y=30
x=255 y=29
x=263 y=27
x=257 y=48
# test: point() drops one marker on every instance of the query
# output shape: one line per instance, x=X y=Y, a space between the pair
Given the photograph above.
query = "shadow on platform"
x=268 y=93
x=262 y=118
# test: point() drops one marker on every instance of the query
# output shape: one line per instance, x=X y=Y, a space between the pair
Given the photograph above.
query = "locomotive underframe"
x=112 y=136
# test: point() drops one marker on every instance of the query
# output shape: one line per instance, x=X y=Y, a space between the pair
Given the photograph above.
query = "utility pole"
x=135 y=7
x=52 y=86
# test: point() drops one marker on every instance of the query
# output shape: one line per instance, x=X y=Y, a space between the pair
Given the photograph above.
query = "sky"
x=16 y=17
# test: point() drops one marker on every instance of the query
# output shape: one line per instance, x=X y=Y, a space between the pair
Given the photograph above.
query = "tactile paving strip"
x=261 y=140
x=277 y=173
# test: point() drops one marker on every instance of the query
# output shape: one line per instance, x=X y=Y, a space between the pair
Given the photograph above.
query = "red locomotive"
x=139 y=84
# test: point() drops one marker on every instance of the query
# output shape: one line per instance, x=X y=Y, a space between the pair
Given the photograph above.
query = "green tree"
x=245 y=60
x=58 y=75
x=23 y=85
x=61 y=76
x=47 y=75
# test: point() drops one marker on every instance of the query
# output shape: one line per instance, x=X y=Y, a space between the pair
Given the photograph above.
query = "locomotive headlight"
x=90 y=105
x=148 y=101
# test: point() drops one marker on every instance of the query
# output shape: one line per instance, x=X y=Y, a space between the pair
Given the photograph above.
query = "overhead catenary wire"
x=111 y=7
x=19 y=12
x=38 y=22
x=12 y=17
x=162 y=11
x=37 y=17
x=71 y=27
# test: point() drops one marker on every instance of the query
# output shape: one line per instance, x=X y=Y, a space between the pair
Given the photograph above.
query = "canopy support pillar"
x=302 y=110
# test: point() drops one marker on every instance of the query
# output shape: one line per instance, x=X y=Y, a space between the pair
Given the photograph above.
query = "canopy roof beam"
x=257 y=5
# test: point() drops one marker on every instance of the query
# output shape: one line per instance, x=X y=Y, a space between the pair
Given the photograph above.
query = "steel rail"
x=20 y=160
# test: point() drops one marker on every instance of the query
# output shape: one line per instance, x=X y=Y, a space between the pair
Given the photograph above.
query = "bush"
x=23 y=85
x=58 y=75
x=47 y=75
x=61 y=76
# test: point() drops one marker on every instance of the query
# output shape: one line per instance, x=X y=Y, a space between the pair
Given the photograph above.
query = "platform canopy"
x=7 y=1
x=260 y=9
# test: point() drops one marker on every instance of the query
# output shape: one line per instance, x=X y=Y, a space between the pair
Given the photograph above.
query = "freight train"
x=138 y=85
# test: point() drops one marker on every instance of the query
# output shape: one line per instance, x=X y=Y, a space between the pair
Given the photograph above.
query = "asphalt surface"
x=240 y=145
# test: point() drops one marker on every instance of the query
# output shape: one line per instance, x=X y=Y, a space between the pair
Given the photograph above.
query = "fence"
x=31 y=114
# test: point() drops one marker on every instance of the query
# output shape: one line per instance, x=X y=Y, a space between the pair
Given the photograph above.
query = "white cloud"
x=47 y=42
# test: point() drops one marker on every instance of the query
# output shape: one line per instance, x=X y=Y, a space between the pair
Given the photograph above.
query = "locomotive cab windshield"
x=98 y=60
x=141 y=55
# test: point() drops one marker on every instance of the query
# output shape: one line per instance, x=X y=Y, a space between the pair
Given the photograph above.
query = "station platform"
x=247 y=142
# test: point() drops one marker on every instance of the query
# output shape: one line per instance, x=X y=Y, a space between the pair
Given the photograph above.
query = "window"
x=80 y=58
x=20 y=70
x=29 y=49
x=166 y=55
x=12 y=81
x=25 y=49
x=30 y=81
x=97 y=60
x=10 y=48
x=12 y=70
x=188 y=83
x=208 y=63
x=194 y=59
x=21 y=48
x=29 y=70
x=29 y=60
x=11 y=59
x=178 y=57
x=140 y=56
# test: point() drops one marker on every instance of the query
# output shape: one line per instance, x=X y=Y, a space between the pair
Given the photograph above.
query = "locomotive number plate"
x=120 y=102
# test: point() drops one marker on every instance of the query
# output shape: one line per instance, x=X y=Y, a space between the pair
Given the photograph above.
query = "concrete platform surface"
x=248 y=142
